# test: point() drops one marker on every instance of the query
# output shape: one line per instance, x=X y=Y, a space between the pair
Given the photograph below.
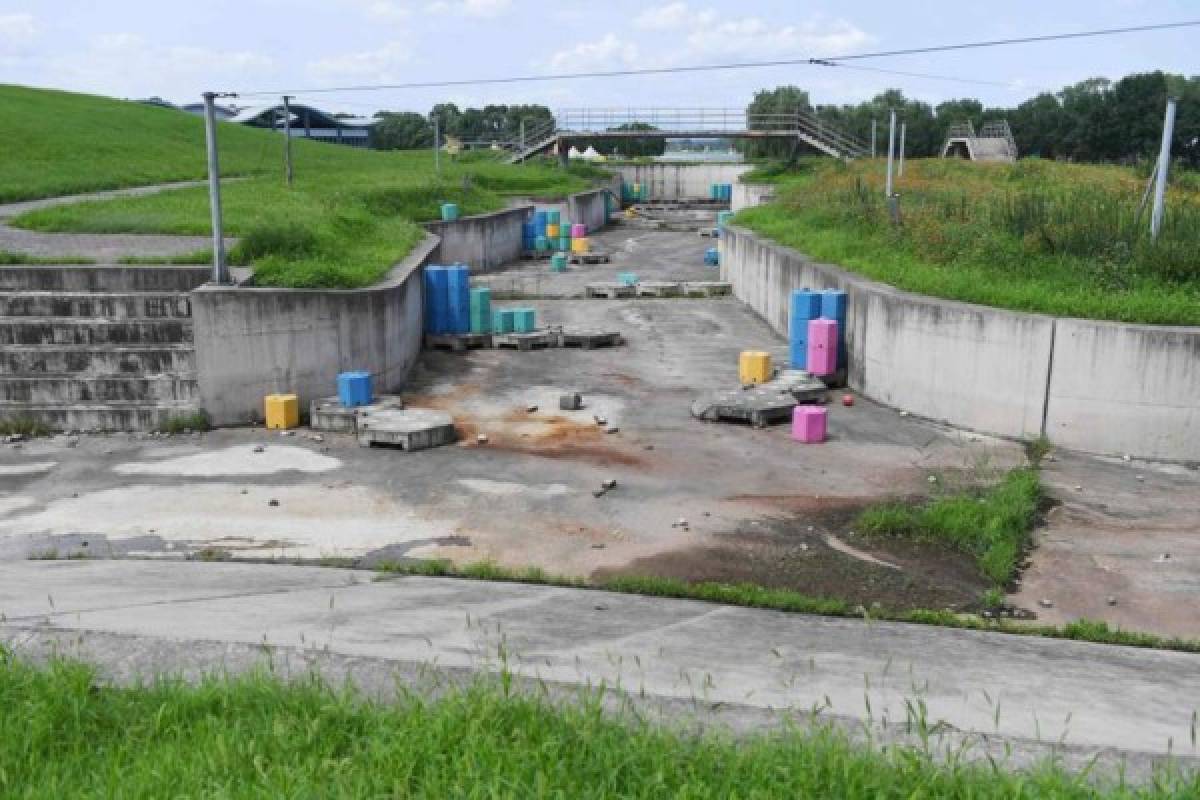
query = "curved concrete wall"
x=1098 y=387
x=254 y=341
x=749 y=195
x=481 y=241
x=669 y=181
x=588 y=208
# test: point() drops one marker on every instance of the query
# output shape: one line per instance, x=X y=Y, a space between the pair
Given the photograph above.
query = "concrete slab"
x=1033 y=695
x=409 y=429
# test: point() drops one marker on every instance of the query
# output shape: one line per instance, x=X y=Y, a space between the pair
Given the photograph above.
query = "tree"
x=401 y=131
x=770 y=109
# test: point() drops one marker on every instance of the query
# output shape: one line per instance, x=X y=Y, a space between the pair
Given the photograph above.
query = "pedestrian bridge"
x=574 y=125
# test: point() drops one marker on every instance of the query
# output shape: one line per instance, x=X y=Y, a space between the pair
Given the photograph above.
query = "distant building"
x=994 y=142
x=159 y=102
x=310 y=123
x=221 y=112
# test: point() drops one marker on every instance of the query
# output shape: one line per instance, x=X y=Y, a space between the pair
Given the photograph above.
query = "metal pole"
x=287 y=140
x=891 y=150
x=522 y=136
x=220 y=272
x=900 y=166
x=437 y=151
x=872 y=138
x=1164 y=162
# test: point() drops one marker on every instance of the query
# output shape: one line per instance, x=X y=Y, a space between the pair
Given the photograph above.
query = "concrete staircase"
x=97 y=347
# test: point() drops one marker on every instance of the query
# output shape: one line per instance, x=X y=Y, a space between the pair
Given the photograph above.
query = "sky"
x=177 y=49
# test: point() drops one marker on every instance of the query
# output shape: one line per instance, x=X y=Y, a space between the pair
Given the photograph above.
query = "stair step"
x=81 y=331
x=140 y=305
x=99 y=416
x=102 y=278
x=64 y=389
x=96 y=360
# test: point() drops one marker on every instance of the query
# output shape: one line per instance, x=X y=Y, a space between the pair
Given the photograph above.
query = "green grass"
x=1053 y=238
x=8 y=258
x=195 y=421
x=992 y=523
x=351 y=215
x=753 y=596
x=23 y=426
x=65 y=733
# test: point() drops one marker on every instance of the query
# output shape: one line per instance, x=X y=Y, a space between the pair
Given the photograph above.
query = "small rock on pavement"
x=531 y=408
x=904 y=413
x=611 y=429
x=258 y=448
x=316 y=437
x=572 y=401
x=847 y=400
x=287 y=433
x=272 y=502
x=1112 y=601
x=1044 y=603
x=611 y=483
x=600 y=420
x=598 y=546
x=482 y=438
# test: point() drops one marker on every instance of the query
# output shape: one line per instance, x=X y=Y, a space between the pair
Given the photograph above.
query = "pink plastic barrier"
x=808 y=424
x=578 y=230
x=822 y=346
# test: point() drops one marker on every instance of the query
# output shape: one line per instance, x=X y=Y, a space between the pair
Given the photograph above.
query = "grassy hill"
x=1063 y=239
x=350 y=215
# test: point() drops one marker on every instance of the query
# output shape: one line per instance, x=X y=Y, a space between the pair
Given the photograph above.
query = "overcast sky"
x=174 y=49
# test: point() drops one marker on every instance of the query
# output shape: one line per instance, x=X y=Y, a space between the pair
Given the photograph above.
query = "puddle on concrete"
x=239 y=460
x=27 y=469
x=508 y=489
x=308 y=522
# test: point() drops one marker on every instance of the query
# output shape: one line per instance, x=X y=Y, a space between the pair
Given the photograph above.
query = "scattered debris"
x=610 y=483
x=611 y=429
x=258 y=448
x=1079 y=488
x=1112 y=601
x=600 y=607
x=1127 y=457
x=572 y=401
x=904 y=413
x=272 y=502
x=932 y=479
x=1045 y=603
x=287 y=433
x=531 y=409
x=600 y=420
x=482 y=438
x=598 y=546
x=316 y=437
x=847 y=400
x=1141 y=478
x=1164 y=558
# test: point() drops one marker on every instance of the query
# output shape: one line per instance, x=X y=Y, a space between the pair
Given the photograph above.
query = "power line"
x=792 y=62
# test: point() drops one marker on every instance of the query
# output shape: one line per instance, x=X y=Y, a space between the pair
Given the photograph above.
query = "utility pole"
x=522 y=150
x=220 y=272
x=872 y=138
x=900 y=166
x=891 y=150
x=437 y=156
x=287 y=140
x=1164 y=162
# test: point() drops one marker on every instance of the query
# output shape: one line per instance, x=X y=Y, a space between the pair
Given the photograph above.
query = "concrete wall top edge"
x=396 y=276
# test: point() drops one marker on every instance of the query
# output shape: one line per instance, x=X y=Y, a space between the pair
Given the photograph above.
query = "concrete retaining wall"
x=749 y=195
x=1093 y=386
x=588 y=208
x=482 y=241
x=680 y=181
x=253 y=341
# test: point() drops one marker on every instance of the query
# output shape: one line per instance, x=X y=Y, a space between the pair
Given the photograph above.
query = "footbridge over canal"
x=576 y=125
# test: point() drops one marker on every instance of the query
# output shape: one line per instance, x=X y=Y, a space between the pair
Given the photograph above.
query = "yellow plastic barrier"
x=754 y=366
x=282 y=411
x=579 y=246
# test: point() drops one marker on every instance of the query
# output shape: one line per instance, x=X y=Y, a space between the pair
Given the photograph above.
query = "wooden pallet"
x=589 y=340
x=709 y=232
x=526 y=341
x=707 y=288
x=457 y=342
x=610 y=290
x=589 y=258
x=658 y=289
x=538 y=255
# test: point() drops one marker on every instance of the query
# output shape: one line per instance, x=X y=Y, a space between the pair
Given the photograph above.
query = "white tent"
x=591 y=155
x=574 y=153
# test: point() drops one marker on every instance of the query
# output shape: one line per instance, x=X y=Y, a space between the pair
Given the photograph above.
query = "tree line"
x=1093 y=120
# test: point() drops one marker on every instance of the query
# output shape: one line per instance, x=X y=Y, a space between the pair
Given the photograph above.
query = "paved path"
x=134 y=617
x=101 y=248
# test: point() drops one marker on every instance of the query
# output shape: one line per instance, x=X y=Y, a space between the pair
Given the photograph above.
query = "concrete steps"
x=98 y=347
x=147 y=305
x=65 y=389
x=112 y=416
x=97 y=359
x=92 y=331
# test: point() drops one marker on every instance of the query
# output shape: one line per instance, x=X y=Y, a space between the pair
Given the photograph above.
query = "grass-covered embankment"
x=350 y=216
x=1060 y=239
x=63 y=733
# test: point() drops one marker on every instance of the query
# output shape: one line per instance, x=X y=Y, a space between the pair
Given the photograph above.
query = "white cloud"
x=380 y=64
x=386 y=10
x=752 y=35
x=17 y=28
x=605 y=52
x=668 y=17
x=470 y=8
